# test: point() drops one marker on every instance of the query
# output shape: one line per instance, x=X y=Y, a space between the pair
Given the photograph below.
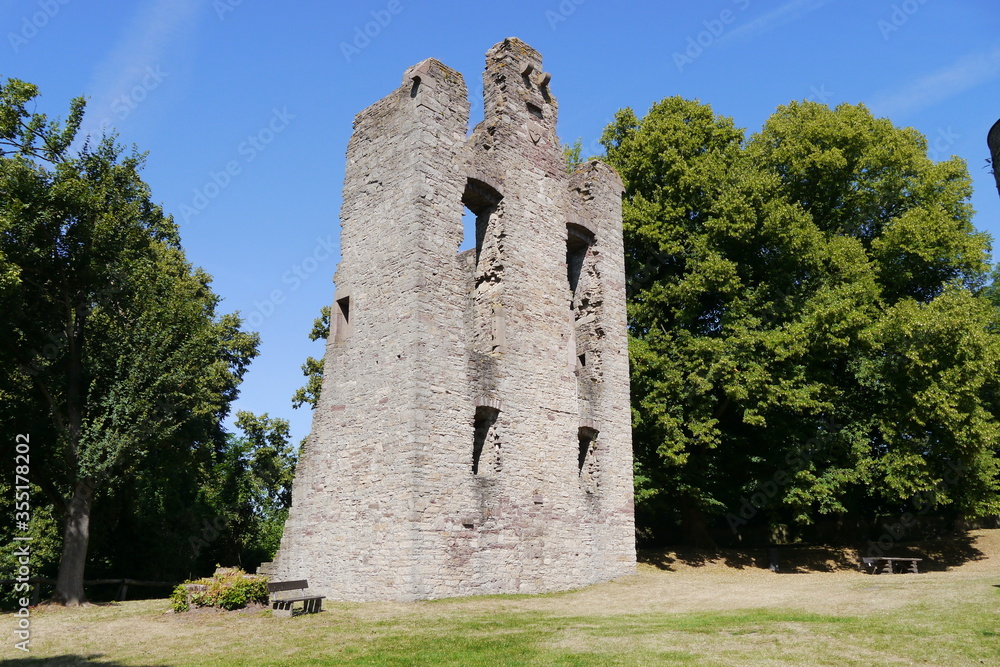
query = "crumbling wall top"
x=510 y=51
x=516 y=87
x=433 y=70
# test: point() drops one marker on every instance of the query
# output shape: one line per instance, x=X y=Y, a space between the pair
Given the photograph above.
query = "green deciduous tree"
x=186 y=510
x=251 y=490
x=807 y=334
x=313 y=368
x=572 y=155
x=110 y=345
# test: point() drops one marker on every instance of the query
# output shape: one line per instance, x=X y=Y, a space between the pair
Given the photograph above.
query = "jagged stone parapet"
x=473 y=432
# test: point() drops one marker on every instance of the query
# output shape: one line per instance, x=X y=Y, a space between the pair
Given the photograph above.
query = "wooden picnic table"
x=890 y=564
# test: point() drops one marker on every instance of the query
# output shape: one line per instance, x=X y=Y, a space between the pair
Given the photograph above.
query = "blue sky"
x=245 y=107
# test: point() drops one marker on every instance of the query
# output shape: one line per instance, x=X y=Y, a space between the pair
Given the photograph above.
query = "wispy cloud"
x=930 y=89
x=786 y=13
x=140 y=56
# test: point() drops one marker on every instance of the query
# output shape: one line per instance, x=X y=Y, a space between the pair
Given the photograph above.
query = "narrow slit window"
x=535 y=111
x=343 y=314
x=586 y=436
x=415 y=86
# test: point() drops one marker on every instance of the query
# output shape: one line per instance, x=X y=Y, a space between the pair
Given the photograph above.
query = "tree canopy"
x=808 y=335
x=112 y=347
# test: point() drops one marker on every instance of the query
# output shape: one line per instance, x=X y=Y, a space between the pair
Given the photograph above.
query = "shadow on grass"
x=71 y=661
x=670 y=559
x=938 y=554
x=803 y=560
x=944 y=552
x=791 y=559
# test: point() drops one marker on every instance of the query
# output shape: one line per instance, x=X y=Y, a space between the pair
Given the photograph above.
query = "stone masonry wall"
x=473 y=433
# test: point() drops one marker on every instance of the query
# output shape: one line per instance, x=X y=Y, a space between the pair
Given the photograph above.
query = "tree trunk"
x=694 y=527
x=69 y=584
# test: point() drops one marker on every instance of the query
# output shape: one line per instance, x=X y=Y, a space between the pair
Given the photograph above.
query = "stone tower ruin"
x=473 y=433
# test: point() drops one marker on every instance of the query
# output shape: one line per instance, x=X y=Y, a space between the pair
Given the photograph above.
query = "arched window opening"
x=481 y=200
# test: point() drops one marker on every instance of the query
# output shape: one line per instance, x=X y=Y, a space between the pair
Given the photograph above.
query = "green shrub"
x=178 y=599
x=229 y=588
x=242 y=592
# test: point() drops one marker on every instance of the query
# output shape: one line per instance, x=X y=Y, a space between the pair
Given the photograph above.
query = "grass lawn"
x=715 y=613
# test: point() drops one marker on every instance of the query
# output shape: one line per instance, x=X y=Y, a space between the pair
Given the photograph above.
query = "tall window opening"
x=578 y=241
x=587 y=437
x=468 y=230
x=588 y=463
x=485 y=438
x=481 y=200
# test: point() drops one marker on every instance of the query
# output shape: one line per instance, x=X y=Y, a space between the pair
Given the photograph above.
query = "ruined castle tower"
x=473 y=434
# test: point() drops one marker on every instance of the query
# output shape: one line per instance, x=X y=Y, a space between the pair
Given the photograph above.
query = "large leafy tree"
x=188 y=509
x=110 y=346
x=807 y=336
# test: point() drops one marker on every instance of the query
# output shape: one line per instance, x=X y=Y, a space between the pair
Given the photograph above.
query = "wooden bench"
x=284 y=595
x=888 y=565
